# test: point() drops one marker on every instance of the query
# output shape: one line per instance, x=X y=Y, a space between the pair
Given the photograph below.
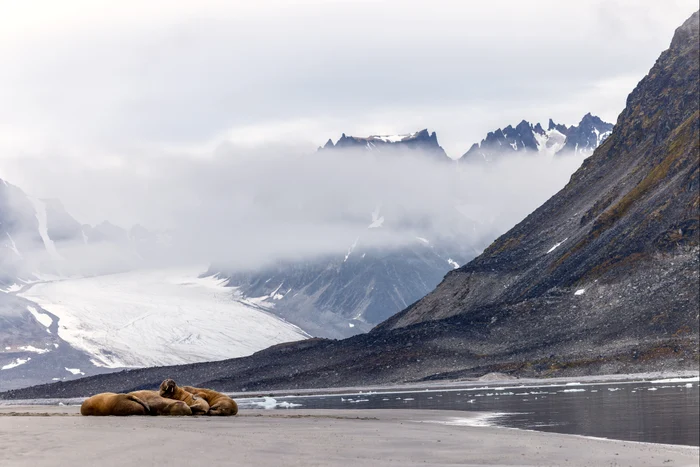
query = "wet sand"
x=57 y=435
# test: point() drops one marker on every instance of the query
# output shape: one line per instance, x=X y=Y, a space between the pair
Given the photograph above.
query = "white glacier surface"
x=158 y=317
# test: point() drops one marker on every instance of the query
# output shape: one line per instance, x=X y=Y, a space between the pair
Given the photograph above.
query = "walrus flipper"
x=143 y=403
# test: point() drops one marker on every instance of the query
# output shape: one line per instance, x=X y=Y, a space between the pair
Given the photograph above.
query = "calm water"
x=663 y=412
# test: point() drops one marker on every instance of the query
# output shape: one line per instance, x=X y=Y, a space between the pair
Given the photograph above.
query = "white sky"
x=96 y=85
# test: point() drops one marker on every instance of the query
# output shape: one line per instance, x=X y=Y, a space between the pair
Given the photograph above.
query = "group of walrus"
x=170 y=399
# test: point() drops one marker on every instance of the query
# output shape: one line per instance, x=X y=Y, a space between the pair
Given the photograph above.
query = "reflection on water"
x=662 y=412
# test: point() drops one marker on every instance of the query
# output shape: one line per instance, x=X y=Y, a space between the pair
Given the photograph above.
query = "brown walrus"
x=160 y=405
x=109 y=403
x=219 y=404
x=197 y=404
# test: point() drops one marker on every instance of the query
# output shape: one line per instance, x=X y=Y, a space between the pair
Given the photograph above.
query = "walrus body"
x=160 y=405
x=109 y=403
x=171 y=390
x=219 y=404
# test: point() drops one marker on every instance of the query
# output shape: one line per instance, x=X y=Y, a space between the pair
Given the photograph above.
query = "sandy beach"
x=57 y=435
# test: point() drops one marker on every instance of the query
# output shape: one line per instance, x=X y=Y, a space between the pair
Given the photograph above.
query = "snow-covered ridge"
x=392 y=138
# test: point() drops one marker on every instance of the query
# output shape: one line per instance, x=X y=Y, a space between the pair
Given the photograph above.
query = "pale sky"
x=95 y=85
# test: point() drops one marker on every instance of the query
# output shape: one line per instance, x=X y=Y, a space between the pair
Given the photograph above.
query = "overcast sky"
x=91 y=86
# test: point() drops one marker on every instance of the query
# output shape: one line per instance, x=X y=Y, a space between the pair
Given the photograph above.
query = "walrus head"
x=167 y=388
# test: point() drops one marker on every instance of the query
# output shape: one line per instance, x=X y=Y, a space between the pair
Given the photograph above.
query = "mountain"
x=587 y=136
x=422 y=141
x=529 y=138
x=602 y=278
x=348 y=293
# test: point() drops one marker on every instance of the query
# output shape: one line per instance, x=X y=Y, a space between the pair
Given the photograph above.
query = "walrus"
x=109 y=403
x=171 y=390
x=219 y=404
x=160 y=405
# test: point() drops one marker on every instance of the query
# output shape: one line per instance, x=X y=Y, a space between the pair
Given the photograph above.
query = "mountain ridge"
x=525 y=137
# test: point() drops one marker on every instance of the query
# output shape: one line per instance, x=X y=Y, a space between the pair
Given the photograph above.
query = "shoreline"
x=483 y=382
x=306 y=437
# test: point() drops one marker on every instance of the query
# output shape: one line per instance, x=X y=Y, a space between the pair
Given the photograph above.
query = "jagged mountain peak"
x=422 y=140
x=529 y=138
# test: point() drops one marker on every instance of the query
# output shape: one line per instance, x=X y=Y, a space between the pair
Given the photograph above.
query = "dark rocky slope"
x=618 y=294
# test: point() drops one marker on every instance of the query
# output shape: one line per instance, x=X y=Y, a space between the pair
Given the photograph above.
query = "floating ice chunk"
x=287 y=405
x=579 y=292
x=75 y=371
x=573 y=390
x=573 y=384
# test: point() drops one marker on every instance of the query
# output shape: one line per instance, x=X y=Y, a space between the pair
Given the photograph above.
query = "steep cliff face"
x=626 y=225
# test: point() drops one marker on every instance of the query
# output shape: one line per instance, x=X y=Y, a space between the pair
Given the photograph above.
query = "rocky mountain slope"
x=602 y=278
x=350 y=293
x=581 y=139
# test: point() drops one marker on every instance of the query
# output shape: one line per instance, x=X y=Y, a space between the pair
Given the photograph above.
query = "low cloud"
x=251 y=207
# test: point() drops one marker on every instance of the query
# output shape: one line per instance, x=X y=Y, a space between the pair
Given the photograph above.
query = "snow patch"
x=41 y=317
x=13 y=247
x=555 y=246
x=75 y=371
x=580 y=292
x=13 y=288
x=352 y=247
x=452 y=263
x=16 y=363
x=377 y=220
x=31 y=348
x=40 y=208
